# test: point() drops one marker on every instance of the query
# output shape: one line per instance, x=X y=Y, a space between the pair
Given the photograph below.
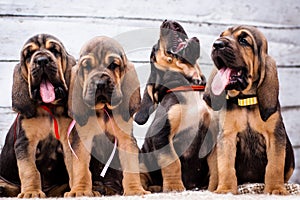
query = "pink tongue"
x=47 y=91
x=220 y=81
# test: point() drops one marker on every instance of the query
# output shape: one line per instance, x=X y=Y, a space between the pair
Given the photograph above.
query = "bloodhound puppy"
x=171 y=151
x=104 y=95
x=32 y=159
x=253 y=145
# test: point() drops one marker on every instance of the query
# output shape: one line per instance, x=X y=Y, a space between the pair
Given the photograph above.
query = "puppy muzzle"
x=102 y=90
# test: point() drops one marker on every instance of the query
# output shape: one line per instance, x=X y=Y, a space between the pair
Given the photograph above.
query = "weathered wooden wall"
x=135 y=24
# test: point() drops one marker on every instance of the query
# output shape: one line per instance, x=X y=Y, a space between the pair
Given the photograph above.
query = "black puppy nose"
x=43 y=60
x=219 y=44
x=102 y=83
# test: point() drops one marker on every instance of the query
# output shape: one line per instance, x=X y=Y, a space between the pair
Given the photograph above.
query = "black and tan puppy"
x=32 y=160
x=253 y=144
x=104 y=96
x=182 y=119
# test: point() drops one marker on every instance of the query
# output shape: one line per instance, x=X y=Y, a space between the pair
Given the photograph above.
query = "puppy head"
x=244 y=67
x=173 y=56
x=176 y=52
x=43 y=74
x=102 y=79
x=44 y=63
x=101 y=67
x=238 y=55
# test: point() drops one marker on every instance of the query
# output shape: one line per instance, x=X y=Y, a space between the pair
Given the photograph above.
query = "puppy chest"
x=188 y=113
x=244 y=119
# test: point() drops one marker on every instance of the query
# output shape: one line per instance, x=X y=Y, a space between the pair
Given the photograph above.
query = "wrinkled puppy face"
x=237 y=56
x=44 y=63
x=178 y=53
x=101 y=67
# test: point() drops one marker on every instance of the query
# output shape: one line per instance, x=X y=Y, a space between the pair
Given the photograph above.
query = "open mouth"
x=47 y=91
x=175 y=34
x=229 y=78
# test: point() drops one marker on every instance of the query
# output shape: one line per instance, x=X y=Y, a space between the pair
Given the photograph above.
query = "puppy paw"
x=277 y=190
x=173 y=187
x=139 y=191
x=78 y=193
x=32 y=194
x=225 y=190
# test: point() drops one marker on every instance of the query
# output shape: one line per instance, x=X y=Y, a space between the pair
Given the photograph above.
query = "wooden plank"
x=74 y=33
x=209 y=17
x=283 y=13
x=6 y=80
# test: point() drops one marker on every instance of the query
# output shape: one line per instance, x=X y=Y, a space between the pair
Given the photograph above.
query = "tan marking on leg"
x=231 y=123
x=63 y=129
x=36 y=129
x=170 y=164
x=128 y=154
x=171 y=175
x=226 y=153
x=274 y=176
x=213 y=170
x=81 y=184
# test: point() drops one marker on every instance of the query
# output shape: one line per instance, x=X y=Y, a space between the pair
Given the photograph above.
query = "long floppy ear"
x=268 y=89
x=149 y=103
x=70 y=63
x=192 y=52
x=216 y=102
x=130 y=87
x=78 y=110
x=21 y=101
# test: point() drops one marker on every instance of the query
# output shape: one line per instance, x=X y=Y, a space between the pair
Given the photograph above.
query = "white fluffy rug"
x=247 y=191
x=196 y=195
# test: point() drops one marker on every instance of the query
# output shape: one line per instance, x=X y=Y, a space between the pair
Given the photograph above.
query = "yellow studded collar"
x=245 y=101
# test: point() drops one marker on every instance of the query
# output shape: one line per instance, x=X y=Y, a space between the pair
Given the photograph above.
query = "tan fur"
x=172 y=177
x=262 y=118
x=118 y=125
x=35 y=121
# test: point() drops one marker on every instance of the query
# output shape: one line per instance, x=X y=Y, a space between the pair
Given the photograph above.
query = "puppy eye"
x=54 y=51
x=28 y=54
x=87 y=66
x=243 y=41
x=113 y=66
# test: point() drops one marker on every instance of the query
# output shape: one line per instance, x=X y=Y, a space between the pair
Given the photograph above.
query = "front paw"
x=276 y=189
x=138 y=191
x=173 y=187
x=32 y=194
x=225 y=190
x=81 y=193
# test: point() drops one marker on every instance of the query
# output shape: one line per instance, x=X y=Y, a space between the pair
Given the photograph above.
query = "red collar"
x=50 y=113
x=54 y=120
x=187 y=88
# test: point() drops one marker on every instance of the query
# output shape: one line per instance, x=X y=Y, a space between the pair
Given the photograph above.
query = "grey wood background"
x=135 y=24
